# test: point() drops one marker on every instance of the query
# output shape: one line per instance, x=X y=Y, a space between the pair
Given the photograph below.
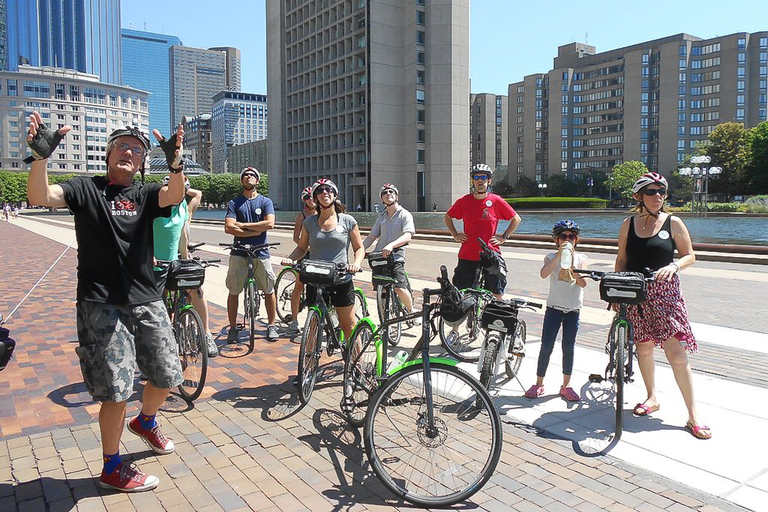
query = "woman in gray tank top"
x=330 y=234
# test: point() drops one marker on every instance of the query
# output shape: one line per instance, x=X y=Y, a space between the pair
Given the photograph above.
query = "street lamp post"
x=542 y=187
x=700 y=175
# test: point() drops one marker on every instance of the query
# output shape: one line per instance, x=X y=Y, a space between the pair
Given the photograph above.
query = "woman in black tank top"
x=649 y=240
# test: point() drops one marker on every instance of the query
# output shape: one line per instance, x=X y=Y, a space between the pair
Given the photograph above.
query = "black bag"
x=381 y=268
x=493 y=263
x=498 y=316
x=7 y=344
x=318 y=272
x=623 y=288
x=185 y=275
x=455 y=305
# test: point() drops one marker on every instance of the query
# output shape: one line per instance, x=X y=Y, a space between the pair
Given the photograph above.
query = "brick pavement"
x=245 y=444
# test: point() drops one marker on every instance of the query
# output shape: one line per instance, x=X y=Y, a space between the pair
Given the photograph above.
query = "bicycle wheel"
x=618 y=381
x=309 y=355
x=251 y=309
x=387 y=302
x=465 y=344
x=284 y=286
x=193 y=353
x=490 y=354
x=433 y=468
x=516 y=350
x=361 y=305
x=360 y=373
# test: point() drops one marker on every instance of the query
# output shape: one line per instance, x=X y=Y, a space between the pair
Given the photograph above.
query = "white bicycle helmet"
x=326 y=182
x=167 y=180
x=482 y=169
x=306 y=193
x=252 y=169
x=648 y=178
x=388 y=186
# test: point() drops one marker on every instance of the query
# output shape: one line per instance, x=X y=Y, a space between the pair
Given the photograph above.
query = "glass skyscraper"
x=83 y=35
x=145 y=67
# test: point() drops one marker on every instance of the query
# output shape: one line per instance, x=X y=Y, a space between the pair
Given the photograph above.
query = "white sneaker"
x=213 y=350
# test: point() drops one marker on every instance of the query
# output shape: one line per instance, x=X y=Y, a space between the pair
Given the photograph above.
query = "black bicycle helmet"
x=565 y=225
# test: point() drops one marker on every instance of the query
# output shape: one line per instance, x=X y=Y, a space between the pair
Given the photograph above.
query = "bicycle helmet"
x=253 y=170
x=167 y=180
x=482 y=169
x=326 y=182
x=648 y=178
x=388 y=186
x=306 y=193
x=128 y=131
x=565 y=225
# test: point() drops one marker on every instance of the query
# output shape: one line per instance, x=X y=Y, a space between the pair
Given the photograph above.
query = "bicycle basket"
x=185 y=275
x=623 y=288
x=318 y=272
x=498 y=316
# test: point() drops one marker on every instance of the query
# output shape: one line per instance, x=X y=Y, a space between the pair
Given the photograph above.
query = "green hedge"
x=713 y=207
x=557 y=202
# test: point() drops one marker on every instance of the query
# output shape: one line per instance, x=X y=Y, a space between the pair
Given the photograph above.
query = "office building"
x=3 y=38
x=233 y=67
x=83 y=35
x=146 y=67
x=237 y=118
x=653 y=102
x=366 y=93
x=253 y=154
x=197 y=140
x=488 y=132
x=197 y=75
x=62 y=96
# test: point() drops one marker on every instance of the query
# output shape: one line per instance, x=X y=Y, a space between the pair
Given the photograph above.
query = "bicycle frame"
x=621 y=320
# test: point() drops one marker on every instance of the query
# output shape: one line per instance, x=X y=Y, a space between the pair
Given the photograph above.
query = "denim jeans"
x=553 y=318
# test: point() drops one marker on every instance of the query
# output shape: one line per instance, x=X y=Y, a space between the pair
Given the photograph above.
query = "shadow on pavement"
x=276 y=401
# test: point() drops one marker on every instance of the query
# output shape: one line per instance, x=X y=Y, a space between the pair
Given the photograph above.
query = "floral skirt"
x=664 y=316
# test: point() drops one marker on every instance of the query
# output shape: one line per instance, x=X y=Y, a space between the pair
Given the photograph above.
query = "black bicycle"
x=388 y=303
x=252 y=299
x=622 y=288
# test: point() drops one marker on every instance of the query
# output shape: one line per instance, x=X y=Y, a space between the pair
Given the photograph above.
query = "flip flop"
x=644 y=410
x=699 y=431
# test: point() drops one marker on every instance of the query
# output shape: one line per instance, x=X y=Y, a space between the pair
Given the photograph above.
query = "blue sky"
x=499 y=55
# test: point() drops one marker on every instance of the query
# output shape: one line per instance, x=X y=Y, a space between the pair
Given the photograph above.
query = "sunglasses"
x=483 y=177
x=124 y=146
x=249 y=175
x=654 y=191
x=566 y=236
x=388 y=192
x=323 y=190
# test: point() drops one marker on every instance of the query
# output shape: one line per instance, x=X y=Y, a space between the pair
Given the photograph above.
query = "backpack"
x=7 y=344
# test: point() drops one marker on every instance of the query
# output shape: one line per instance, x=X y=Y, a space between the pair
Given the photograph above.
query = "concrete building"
x=197 y=75
x=488 y=124
x=653 y=102
x=146 y=67
x=366 y=93
x=3 y=37
x=233 y=66
x=93 y=109
x=197 y=140
x=83 y=35
x=237 y=118
x=252 y=154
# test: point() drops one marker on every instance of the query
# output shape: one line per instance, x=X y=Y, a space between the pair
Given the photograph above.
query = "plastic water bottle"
x=334 y=318
x=398 y=360
x=566 y=256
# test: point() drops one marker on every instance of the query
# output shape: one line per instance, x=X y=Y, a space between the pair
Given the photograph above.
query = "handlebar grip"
x=217 y=260
x=443 y=272
x=192 y=247
x=225 y=245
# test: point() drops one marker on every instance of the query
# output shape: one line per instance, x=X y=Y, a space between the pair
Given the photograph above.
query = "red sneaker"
x=153 y=437
x=126 y=478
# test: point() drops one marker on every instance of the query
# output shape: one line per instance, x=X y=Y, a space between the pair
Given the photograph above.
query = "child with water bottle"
x=566 y=297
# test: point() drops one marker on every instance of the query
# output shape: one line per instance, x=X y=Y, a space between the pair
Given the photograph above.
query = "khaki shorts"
x=238 y=273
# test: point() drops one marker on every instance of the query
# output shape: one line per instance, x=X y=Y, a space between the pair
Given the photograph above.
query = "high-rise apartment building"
x=653 y=102
x=82 y=35
x=237 y=118
x=62 y=96
x=146 y=67
x=197 y=75
x=253 y=154
x=197 y=140
x=366 y=93
x=488 y=131
x=233 y=67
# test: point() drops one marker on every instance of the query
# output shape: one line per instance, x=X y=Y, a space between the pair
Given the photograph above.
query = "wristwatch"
x=175 y=171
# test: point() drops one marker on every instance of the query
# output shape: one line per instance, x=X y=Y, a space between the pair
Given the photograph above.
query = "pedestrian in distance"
x=121 y=320
x=564 y=303
x=249 y=216
x=649 y=239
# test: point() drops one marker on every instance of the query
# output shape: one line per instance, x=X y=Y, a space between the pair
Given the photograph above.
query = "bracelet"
x=677 y=267
x=175 y=171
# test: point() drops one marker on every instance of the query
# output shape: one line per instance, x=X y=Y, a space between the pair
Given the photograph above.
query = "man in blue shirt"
x=249 y=217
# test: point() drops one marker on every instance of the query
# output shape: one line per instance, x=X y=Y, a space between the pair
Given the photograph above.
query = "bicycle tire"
x=474 y=432
x=516 y=350
x=251 y=308
x=360 y=375
x=284 y=286
x=385 y=297
x=309 y=355
x=466 y=347
x=360 y=305
x=621 y=339
x=490 y=354
x=193 y=353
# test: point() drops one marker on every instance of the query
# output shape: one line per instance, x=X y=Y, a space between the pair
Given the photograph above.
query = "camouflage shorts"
x=115 y=339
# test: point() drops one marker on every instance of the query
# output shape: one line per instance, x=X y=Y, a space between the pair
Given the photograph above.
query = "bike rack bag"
x=7 y=344
x=499 y=317
x=185 y=275
x=318 y=272
x=623 y=288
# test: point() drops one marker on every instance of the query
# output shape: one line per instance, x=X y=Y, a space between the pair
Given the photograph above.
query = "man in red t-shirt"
x=481 y=212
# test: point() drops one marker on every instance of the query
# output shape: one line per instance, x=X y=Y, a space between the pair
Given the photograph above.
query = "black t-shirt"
x=113 y=225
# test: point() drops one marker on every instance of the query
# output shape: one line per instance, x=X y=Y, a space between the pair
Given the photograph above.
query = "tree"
x=727 y=147
x=558 y=185
x=13 y=187
x=756 y=170
x=526 y=187
x=680 y=187
x=625 y=175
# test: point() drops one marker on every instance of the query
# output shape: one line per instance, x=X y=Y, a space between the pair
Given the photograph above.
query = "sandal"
x=534 y=391
x=569 y=394
x=699 y=431
x=645 y=410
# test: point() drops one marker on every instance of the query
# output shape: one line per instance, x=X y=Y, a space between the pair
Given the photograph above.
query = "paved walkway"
x=246 y=444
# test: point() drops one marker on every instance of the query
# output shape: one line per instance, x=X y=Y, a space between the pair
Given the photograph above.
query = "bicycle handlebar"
x=194 y=247
x=597 y=275
x=248 y=247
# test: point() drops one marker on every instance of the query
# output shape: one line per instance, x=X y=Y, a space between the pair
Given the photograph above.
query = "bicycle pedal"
x=596 y=378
